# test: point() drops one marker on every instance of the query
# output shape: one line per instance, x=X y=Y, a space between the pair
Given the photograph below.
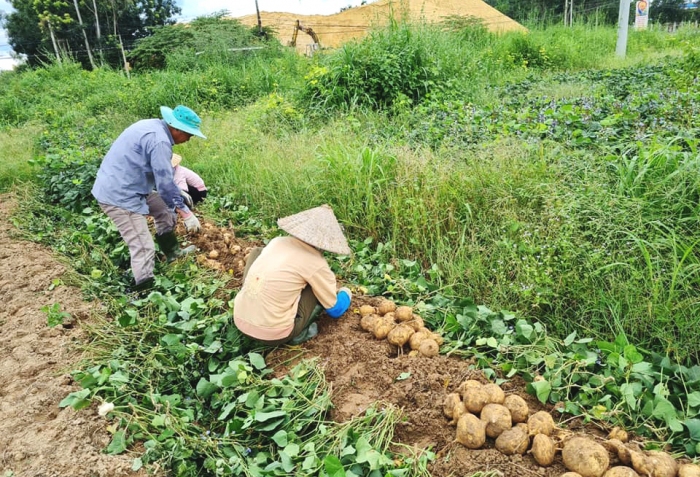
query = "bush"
x=375 y=72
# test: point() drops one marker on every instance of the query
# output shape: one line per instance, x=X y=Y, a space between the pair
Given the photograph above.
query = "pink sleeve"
x=192 y=179
x=179 y=178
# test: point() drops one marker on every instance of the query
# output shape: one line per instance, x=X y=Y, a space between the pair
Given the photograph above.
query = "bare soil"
x=37 y=438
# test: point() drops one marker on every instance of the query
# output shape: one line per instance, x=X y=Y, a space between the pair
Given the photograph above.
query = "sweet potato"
x=620 y=471
x=458 y=412
x=586 y=457
x=497 y=419
x=382 y=327
x=495 y=393
x=403 y=313
x=471 y=431
x=543 y=450
x=469 y=383
x=448 y=406
x=400 y=335
x=513 y=441
x=386 y=306
x=619 y=434
x=475 y=398
x=367 y=321
x=428 y=348
x=416 y=339
x=654 y=464
x=689 y=470
x=618 y=448
x=416 y=322
x=540 y=422
x=517 y=406
x=367 y=310
x=438 y=339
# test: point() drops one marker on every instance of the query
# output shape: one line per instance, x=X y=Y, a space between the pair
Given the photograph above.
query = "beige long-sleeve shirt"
x=266 y=305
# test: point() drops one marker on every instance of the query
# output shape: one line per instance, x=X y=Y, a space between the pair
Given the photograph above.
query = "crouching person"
x=288 y=283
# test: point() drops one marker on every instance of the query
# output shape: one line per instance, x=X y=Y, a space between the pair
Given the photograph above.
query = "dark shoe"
x=171 y=247
x=144 y=285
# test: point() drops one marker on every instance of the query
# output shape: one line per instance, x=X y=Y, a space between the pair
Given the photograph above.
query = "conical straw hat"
x=176 y=160
x=317 y=227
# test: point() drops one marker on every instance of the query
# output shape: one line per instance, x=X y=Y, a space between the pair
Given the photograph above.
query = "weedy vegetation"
x=534 y=173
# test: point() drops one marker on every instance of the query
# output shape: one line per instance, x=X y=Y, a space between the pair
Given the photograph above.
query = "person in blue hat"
x=136 y=179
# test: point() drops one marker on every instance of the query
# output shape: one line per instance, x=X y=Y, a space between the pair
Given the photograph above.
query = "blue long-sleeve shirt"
x=137 y=163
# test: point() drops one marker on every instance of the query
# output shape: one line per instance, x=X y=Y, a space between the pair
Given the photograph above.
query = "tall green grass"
x=600 y=237
x=17 y=148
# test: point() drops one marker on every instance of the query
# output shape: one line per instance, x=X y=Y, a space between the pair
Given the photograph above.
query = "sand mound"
x=334 y=30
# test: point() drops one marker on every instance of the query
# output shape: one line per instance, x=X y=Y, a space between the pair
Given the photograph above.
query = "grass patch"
x=16 y=150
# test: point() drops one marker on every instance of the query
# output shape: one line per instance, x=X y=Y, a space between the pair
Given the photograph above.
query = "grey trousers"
x=133 y=228
x=306 y=312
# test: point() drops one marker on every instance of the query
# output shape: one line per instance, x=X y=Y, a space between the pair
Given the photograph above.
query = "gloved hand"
x=346 y=290
x=187 y=199
x=192 y=223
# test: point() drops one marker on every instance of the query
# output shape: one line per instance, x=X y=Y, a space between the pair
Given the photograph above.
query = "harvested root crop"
x=619 y=434
x=617 y=447
x=428 y=348
x=469 y=383
x=403 y=313
x=543 y=450
x=689 y=470
x=386 y=306
x=513 y=441
x=437 y=338
x=367 y=310
x=416 y=322
x=471 y=431
x=585 y=457
x=417 y=338
x=400 y=335
x=451 y=401
x=517 y=406
x=654 y=464
x=495 y=393
x=540 y=422
x=367 y=321
x=214 y=254
x=497 y=419
x=457 y=413
x=621 y=471
x=475 y=398
x=570 y=474
x=382 y=327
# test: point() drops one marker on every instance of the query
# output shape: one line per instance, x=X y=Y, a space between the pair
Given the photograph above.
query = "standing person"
x=135 y=179
x=288 y=283
x=191 y=186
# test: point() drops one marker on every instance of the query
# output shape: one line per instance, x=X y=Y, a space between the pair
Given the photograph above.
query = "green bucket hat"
x=182 y=118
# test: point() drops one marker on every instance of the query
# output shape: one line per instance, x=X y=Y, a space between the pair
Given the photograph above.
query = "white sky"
x=235 y=8
x=239 y=8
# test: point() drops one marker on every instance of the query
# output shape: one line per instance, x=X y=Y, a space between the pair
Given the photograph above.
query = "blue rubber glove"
x=342 y=303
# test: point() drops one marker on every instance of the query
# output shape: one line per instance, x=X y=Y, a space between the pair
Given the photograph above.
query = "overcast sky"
x=236 y=8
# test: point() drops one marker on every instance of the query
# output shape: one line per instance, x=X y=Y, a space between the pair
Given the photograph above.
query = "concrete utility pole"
x=622 y=27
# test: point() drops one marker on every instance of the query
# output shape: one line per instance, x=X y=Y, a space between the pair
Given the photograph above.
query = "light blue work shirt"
x=137 y=163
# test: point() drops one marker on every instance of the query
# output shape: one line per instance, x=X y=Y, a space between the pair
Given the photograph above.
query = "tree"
x=668 y=11
x=76 y=27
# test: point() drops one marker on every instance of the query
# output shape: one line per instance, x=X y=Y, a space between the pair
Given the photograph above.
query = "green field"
x=535 y=173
